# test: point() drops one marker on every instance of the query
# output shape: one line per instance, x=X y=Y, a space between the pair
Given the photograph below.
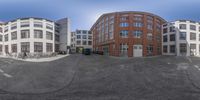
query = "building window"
x=199 y=37
x=78 y=37
x=57 y=47
x=49 y=35
x=6 y=29
x=165 y=49
x=25 y=24
x=14 y=35
x=1 y=30
x=14 y=48
x=182 y=36
x=84 y=42
x=192 y=36
x=165 y=39
x=25 y=46
x=1 y=48
x=149 y=36
x=137 y=33
x=165 y=30
x=124 y=24
x=172 y=29
x=49 y=26
x=183 y=48
x=6 y=37
x=57 y=37
x=38 y=24
x=25 y=34
x=1 y=37
x=150 y=26
x=158 y=37
x=78 y=32
x=192 y=49
x=137 y=18
x=13 y=26
x=172 y=49
x=84 y=36
x=199 y=29
x=123 y=49
x=49 y=47
x=193 y=27
x=78 y=42
x=124 y=33
x=150 y=50
x=6 y=49
x=138 y=24
x=172 y=37
x=38 y=46
x=182 y=26
x=158 y=50
x=124 y=18
x=89 y=42
x=90 y=37
x=38 y=34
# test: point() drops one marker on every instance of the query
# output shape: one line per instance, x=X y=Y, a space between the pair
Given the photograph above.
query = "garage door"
x=137 y=51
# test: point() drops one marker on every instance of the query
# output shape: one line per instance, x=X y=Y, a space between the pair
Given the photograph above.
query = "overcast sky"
x=83 y=13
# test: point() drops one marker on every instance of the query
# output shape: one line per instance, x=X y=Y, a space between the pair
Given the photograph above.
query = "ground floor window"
x=25 y=46
x=172 y=49
x=165 y=47
x=6 y=48
x=49 y=47
x=123 y=49
x=158 y=50
x=57 y=47
x=149 y=50
x=1 y=47
x=14 y=48
x=183 y=47
x=192 y=49
x=38 y=46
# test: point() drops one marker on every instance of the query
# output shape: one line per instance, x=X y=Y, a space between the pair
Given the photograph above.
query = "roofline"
x=142 y=12
x=28 y=18
x=183 y=20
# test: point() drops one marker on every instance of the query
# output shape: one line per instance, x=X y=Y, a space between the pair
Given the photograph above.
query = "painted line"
x=7 y=75
x=1 y=71
x=196 y=66
x=189 y=59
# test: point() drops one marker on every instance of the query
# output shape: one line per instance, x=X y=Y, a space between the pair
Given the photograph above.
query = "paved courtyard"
x=80 y=77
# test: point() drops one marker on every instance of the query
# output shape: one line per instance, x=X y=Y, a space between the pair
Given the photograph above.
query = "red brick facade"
x=109 y=42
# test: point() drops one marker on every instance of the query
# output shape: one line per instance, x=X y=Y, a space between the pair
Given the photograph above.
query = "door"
x=137 y=51
x=106 y=50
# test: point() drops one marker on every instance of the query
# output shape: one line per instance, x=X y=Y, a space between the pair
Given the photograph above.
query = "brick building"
x=129 y=34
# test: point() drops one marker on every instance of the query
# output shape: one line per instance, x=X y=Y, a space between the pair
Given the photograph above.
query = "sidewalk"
x=39 y=59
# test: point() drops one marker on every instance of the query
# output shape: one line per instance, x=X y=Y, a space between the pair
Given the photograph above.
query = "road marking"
x=1 y=71
x=196 y=66
x=7 y=75
x=190 y=60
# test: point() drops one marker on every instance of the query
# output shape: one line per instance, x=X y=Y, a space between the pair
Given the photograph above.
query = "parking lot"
x=96 y=77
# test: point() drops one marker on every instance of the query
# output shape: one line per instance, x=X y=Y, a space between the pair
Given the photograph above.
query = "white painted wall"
x=178 y=41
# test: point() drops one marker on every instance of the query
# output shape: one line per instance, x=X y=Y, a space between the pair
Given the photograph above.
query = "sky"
x=84 y=13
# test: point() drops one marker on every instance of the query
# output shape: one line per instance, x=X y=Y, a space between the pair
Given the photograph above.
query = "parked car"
x=86 y=51
x=100 y=52
x=62 y=52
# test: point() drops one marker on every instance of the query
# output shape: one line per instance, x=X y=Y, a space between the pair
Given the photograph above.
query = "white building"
x=65 y=34
x=181 y=38
x=81 y=39
x=30 y=35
